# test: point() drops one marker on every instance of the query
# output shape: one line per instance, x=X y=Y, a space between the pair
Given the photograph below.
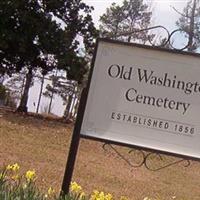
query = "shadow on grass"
x=33 y=119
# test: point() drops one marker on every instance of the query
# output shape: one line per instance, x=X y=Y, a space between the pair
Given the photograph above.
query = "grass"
x=42 y=144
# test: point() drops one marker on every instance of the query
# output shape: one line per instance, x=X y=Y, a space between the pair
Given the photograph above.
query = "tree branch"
x=179 y=12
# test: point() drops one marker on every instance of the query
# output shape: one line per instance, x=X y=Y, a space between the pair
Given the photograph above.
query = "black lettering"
x=127 y=74
x=128 y=95
x=113 y=115
x=118 y=116
x=144 y=76
x=114 y=71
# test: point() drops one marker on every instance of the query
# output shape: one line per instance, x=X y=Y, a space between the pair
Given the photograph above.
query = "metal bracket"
x=144 y=158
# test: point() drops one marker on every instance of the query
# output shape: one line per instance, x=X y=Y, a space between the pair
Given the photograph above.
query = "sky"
x=163 y=14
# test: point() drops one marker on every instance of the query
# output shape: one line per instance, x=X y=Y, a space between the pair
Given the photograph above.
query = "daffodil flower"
x=9 y=167
x=108 y=196
x=50 y=191
x=96 y=195
x=74 y=187
x=123 y=198
x=15 y=167
x=30 y=175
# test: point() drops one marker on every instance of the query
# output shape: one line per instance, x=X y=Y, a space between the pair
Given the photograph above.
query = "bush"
x=6 y=98
x=2 y=92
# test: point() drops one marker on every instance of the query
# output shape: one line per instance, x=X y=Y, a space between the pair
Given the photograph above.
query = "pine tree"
x=189 y=23
x=66 y=89
x=132 y=15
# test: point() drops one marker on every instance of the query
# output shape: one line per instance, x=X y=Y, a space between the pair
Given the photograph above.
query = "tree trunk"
x=22 y=88
x=40 y=95
x=24 y=99
x=72 y=106
x=77 y=104
x=52 y=93
x=67 y=109
x=191 y=31
x=50 y=103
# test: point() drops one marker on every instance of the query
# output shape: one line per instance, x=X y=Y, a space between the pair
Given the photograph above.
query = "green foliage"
x=44 y=34
x=22 y=187
x=131 y=15
x=12 y=187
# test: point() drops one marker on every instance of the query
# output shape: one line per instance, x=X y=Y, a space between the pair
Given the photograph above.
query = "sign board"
x=145 y=97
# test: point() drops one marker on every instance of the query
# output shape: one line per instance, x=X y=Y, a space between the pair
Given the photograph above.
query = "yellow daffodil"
x=30 y=175
x=50 y=191
x=15 y=167
x=108 y=196
x=96 y=192
x=101 y=195
x=96 y=195
x=9 y=167
x=74 y=187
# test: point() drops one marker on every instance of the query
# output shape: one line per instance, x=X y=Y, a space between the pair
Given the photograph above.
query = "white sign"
x=145 y=97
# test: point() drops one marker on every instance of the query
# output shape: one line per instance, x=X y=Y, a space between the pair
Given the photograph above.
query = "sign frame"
x=76 y=136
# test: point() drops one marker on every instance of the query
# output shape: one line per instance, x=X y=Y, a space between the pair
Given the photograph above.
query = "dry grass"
x=42 y=144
